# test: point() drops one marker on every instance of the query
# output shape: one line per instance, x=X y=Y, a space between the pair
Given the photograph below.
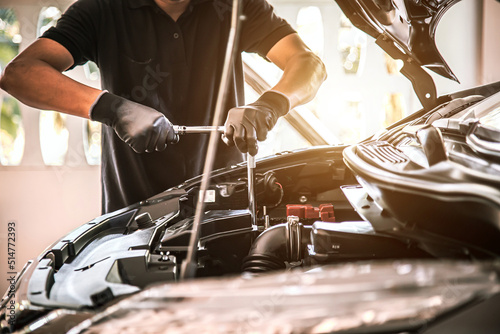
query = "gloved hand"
x=245 y=125
x=142 y=128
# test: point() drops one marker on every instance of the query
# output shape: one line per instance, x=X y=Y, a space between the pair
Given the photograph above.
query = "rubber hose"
x=270 y=250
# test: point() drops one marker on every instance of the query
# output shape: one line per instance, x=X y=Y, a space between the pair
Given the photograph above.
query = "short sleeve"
x=262 y=28
x=77 y=31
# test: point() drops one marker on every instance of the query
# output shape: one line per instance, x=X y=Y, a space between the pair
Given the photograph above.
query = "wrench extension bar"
x=182 y=129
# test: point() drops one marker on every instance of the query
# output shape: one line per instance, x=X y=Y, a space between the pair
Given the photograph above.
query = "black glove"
x=245 y=125
x=142 y=128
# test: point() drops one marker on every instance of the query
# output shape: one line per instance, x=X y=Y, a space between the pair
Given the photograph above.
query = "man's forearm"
x=303 y=75
x=39 y=85
x=35 y=78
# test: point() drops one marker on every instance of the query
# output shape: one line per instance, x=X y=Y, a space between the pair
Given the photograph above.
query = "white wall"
x=490 y=69
x=458 y=38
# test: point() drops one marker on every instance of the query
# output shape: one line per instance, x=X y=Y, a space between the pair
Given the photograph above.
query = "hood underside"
x=408 y=25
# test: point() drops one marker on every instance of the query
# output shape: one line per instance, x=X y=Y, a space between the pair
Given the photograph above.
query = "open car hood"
x=405 y=29
x=410 y=25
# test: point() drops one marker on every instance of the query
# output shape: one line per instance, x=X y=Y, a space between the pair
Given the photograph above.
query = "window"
x=394 y=107
x=310 y=28
x=283 y=137
x=92 y=142
x=352 y=119
x=54 y=137
x=11 y=124
x=48 y=18
x=11 y=133
x=352 y=47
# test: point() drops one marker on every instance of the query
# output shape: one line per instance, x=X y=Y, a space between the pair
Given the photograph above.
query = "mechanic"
x=160 y=64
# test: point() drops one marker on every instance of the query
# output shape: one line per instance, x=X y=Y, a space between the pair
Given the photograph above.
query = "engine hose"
x=274 y=247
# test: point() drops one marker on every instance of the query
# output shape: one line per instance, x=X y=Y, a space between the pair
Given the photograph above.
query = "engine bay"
x=404 y=194
x=303 y=220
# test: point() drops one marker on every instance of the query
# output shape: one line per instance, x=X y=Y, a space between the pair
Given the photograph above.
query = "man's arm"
x=35 y=78
x=303 y=74
x=303 y=71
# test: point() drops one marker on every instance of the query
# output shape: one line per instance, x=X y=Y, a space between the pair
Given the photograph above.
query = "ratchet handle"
x=183 y=130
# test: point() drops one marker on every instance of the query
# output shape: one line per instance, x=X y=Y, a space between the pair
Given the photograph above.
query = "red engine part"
x=325 y=212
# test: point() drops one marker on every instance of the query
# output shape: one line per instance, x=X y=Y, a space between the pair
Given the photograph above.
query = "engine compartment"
x=315 y=207
x=123 y=252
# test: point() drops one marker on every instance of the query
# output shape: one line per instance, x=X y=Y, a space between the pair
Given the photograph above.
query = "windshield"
x=348 y=104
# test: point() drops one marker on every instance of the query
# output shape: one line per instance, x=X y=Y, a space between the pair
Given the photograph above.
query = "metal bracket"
x=421 y=80
x=294 y=238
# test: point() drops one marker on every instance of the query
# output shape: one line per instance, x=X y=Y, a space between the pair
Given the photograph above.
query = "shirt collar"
x=134 y=4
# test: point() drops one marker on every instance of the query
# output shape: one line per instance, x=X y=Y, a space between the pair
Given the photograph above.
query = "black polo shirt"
x=173 y=67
